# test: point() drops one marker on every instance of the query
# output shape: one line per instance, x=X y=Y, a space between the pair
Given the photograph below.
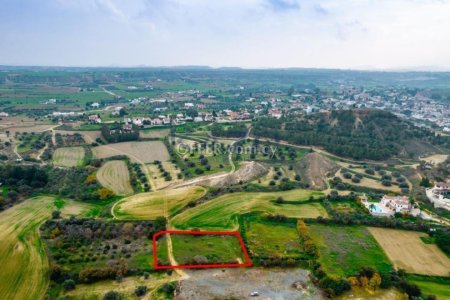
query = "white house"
x=439 y=195
x=398 y=204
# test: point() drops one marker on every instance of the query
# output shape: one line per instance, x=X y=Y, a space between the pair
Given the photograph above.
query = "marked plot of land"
x=114 y=175
x=408 y=252
x=207 y=249
x=68 y=156
x=140 y=152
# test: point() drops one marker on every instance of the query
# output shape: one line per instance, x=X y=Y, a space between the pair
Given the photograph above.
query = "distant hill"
x=359 y=134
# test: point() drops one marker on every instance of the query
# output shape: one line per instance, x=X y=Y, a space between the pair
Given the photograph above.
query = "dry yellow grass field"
x=407 y=251
x=149 y=206
x=68 y=156
x=24 y=264
x=154 y=133
x=157 y=180
x=140 y=152
x=114 y=175
x=29 y=128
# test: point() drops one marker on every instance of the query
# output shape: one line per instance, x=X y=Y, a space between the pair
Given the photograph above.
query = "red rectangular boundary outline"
x=247 y=262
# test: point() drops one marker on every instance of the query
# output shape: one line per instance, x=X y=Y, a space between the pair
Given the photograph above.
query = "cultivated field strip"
x=139 y=152
x=23 y=260
x=68 y=156
x=114 y=175
x=408 y=252
x=149 y=206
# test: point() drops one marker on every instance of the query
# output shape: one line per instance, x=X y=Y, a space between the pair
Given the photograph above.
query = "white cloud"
x=249 y=33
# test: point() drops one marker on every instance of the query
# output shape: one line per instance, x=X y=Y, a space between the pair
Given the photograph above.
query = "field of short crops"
x=410 y=253
x=140 y=152
x=222 y=212
x=114 y=175
x=68 y=156
x=204 y=249
x=149 y=206
x=22 y=255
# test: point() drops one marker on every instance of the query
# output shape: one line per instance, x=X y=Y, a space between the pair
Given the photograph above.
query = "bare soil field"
x=435 y=159
x=114 y=175
x=249 y=171
x=68 y=156
x=23 y=121
x=239 y=283
x=140 y=152
x=315 y=168
x=408 y=252
x=29 y=128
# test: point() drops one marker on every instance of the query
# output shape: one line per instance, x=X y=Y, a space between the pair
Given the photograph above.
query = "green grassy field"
x=271 y=239
x=26 y=96
x=438 y=286
x=222 y=212
x=69 y=156
x=215 y=248
x=344 y=250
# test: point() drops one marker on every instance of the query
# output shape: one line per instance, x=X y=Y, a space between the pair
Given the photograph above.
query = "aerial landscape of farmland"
x=224 y=150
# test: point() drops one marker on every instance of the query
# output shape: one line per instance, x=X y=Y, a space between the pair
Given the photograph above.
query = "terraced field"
x=22 y=255
x=114 y=175
x=222 y=212
x=68 y=156
x=149 y=206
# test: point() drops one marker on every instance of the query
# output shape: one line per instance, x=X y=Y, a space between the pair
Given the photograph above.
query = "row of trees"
x=114 y=133
x=378 y=136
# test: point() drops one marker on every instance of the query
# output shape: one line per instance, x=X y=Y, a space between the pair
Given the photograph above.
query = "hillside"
x=359 y=134
x=315 y=168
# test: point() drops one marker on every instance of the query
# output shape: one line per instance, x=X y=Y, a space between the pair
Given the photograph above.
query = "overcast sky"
x=357 y=34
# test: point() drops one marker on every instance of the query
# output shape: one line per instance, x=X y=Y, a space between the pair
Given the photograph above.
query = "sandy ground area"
x=241 y=282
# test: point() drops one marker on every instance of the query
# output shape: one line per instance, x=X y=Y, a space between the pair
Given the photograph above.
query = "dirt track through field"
x=408 y=252
x=114 y=175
